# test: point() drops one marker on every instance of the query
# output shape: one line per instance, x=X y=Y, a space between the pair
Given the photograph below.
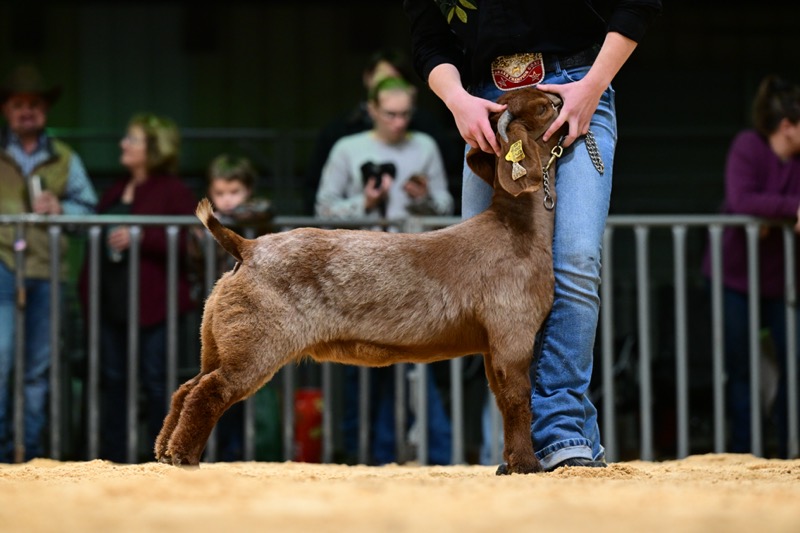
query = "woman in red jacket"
x=150 y=152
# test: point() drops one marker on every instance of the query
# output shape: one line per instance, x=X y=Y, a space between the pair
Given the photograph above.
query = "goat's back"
x=404 y=288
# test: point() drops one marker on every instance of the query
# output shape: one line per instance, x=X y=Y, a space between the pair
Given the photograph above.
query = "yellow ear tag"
x=515 y=155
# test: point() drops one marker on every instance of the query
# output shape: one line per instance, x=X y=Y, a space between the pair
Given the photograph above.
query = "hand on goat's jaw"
x=529 y=114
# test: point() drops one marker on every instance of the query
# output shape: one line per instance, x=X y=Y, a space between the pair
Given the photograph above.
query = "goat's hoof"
x=505 y=470
x=177 y=459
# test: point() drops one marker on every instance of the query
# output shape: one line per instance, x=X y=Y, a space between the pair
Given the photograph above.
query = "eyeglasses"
x=392 y=115
x=132 y=139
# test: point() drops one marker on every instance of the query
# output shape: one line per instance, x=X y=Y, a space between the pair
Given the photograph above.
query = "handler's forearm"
x=445 y=82
x=613 y=54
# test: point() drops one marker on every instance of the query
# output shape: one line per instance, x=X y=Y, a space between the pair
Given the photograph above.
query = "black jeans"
x=114 y=385
x=737 y=366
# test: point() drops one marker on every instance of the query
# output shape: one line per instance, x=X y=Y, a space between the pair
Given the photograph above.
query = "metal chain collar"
x=556 y=152
x=549 y=204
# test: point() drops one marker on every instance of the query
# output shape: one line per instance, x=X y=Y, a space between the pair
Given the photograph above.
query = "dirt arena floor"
x=702 y=493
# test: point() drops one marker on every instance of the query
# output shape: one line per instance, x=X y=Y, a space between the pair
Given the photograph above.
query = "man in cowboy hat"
x=38 y=174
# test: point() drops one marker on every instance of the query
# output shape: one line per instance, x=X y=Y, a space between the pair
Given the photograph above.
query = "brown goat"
x=370 y=298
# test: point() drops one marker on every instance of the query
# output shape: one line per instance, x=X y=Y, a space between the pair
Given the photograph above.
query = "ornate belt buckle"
x=517 y=71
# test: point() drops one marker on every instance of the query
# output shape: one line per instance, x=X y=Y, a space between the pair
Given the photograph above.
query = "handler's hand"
x=472 y=120
x=580 y=102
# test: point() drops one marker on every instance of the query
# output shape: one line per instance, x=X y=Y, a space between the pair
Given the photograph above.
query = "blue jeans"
x=737 y=367
x=383 y=438
x=564 y=419
x=37 y=362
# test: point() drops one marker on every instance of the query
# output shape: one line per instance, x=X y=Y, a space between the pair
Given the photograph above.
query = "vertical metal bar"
x=681 y=340
x=400 y=419
x=422 y=413
x=55 y=342
x=607 y=336
x=457 y=409
x=496 y=423
x=133 y=344
x=93 y=355
x=327 y=412
x=249 y=408
x=288 y=372
x=718 y=337
x=791 y=342
x=19 y=345
x=754 y=322
x=173 y=234
x=364 y=422
x=645 y=380
x=210 y=260
x=249 y=429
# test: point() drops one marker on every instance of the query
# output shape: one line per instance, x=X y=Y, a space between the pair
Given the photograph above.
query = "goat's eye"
x=542 y=109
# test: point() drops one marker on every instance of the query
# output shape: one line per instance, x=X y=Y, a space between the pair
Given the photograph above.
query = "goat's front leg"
x=510 y=382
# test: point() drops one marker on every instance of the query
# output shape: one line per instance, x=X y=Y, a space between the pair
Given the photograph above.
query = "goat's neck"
x=524 y=214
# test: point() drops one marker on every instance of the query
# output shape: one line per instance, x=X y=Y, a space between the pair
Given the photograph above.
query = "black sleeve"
x=432 y=41
x=631 y=18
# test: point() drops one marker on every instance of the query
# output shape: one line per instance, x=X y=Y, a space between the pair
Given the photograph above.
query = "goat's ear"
x=482 y=164
x=520 y=153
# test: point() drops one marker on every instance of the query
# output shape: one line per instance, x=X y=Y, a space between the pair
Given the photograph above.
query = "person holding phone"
x=389 y=170
x=392 y=172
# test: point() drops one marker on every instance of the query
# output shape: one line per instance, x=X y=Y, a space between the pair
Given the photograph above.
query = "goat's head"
x=528 y=115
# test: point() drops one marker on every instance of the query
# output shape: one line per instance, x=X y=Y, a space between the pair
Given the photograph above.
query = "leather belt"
x=528 y=68
x=583 y=58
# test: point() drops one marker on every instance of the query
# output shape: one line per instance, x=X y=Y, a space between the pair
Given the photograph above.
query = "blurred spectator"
x=150 y=151
x=762 y=178
x=387 y=171
x=384 y=63
x=38 y=174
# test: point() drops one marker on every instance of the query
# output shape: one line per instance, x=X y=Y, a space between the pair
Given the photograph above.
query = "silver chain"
x=594 y=153
x=549 y=204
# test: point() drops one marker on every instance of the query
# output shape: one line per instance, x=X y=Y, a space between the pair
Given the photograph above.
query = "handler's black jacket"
x=481 y=30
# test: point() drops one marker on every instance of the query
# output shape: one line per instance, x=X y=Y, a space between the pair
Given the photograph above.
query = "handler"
x=471 y=51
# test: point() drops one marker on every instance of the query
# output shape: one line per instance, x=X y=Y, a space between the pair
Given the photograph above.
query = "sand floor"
x=703 y=493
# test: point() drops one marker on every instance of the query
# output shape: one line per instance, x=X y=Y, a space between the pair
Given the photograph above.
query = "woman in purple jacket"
x=150 y=151
x=762 y=178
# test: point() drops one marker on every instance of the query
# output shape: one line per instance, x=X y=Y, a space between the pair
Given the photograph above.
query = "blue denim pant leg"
x=440 y=432
x=37 y=362
x=7 y=325
x=564 y=418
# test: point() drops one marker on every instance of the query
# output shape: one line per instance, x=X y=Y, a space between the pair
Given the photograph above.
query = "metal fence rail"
x=627 y=268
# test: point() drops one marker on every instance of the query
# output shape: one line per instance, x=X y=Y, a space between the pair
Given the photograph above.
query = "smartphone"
x=34 y=187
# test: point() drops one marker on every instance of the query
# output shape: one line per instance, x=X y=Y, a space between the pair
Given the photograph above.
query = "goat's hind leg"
x=202 y=406
x=509 y=379
x=172 y=418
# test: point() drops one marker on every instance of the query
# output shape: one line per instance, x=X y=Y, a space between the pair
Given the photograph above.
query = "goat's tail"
x=228 y=239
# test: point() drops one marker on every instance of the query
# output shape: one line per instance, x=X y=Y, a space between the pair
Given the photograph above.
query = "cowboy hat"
x=26 y=79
